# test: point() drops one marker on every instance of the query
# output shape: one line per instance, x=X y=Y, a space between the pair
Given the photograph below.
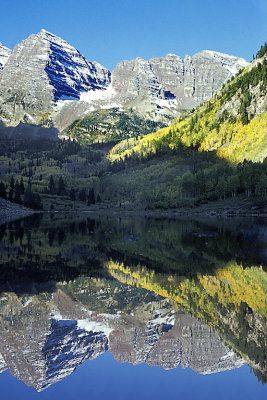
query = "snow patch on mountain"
x=94 y=326
x=98 y=95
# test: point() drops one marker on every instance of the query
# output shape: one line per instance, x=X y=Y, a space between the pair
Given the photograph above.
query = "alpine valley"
x=132 y=225
x=160 y=134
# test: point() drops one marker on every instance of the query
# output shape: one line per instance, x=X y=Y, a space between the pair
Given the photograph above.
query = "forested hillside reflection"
x=212 y=272
x=62 y=247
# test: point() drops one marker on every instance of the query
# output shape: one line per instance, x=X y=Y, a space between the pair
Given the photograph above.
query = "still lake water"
x=109 y=307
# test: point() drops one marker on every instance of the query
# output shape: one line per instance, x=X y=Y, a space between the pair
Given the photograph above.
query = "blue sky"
x=109 y=31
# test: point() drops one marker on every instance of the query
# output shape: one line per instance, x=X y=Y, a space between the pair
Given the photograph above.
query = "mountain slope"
x=52 y=335
x=4 y=54
x=42 y=70
x=110 y=125
x=187 y=82
x=161 y=87
x=233 y=123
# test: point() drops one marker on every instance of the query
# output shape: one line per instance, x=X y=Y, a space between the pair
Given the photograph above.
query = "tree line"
x=16 y=192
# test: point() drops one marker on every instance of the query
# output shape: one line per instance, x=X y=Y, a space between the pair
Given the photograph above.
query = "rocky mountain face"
x=256 y=94
x=182 y=84
x=159 y=88
x=44 y=71
x=3 y=365
x=45 y=337
x=232 y=123
x=4 y=54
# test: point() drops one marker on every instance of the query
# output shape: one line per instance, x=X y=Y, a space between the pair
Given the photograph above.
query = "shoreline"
x=12 y=211
x=163 y=213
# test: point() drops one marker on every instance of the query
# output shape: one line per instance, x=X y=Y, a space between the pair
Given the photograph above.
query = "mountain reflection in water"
x=156 y=291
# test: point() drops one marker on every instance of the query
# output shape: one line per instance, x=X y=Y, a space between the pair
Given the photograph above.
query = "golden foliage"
x=231 y=285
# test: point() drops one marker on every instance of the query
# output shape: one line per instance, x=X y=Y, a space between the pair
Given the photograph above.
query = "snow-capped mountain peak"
x=44 y=69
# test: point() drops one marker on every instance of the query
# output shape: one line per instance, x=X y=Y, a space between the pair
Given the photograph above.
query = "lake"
x=133 y=307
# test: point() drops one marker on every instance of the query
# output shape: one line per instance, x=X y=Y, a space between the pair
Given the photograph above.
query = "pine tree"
x=3 y=193
x=51 y=185
x=10 y=195
x=91 y=197
x=12 y=183
x=17 y=198
x=72 y=194
x=21 y=185
x=32 y=200
x=82 y=195
x=61 y=186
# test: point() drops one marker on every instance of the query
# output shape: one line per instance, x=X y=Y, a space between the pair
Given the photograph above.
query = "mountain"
x=180 y=84
x=233 y=123
x=43 y=71
x=160 y=88
x=4 y=54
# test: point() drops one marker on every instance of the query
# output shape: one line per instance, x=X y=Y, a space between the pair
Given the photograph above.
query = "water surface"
x=131 y=307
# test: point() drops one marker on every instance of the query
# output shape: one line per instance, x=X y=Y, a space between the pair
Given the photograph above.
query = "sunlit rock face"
x=24 y=325
x=181 y=83
x=39 y=346
x=44 y=69
x=131 y=79
x=160 y=88
x=4 y=55
x=195 y=345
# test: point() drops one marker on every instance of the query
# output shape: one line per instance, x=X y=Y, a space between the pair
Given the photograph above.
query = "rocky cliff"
x=171 y=338
x=160 y=88
x=181 y=84
x=4 y=54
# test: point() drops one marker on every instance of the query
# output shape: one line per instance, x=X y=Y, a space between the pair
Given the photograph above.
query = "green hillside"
x=110 y=125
